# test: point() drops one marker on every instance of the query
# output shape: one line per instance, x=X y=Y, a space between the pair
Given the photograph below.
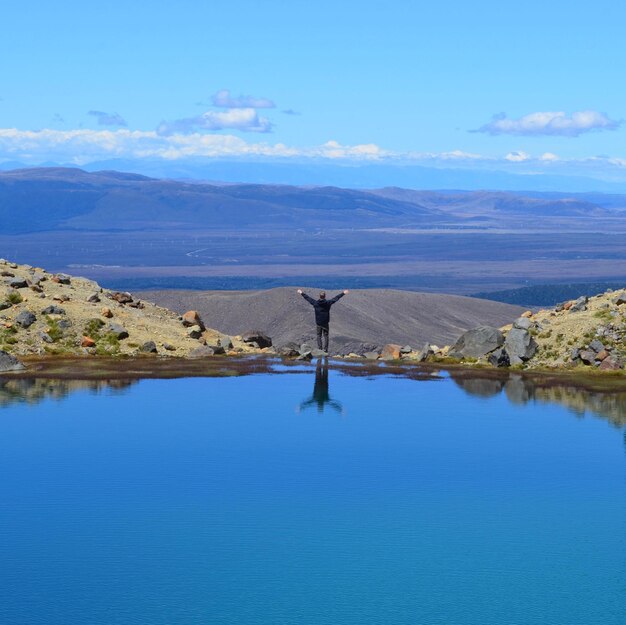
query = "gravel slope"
x=362 y=319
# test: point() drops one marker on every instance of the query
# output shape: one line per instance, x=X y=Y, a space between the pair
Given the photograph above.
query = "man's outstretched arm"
x=338 y=297
x=308 y=298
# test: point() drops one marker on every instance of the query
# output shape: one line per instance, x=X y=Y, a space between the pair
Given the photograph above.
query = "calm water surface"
x=296 y=498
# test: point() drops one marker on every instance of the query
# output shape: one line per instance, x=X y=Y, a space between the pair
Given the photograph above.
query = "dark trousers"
x=322 y=337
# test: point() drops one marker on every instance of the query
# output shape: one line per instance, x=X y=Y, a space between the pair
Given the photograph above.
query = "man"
x=322 y=315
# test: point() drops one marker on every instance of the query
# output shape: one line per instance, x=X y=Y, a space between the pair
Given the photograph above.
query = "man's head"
x=322 y=295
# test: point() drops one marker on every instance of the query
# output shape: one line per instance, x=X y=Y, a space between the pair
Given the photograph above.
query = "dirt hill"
x=363 y=319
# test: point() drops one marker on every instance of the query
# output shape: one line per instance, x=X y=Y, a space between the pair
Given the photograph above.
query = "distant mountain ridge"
x=50 y=199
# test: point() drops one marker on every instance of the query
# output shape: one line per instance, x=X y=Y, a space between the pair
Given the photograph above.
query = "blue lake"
x=289 y=497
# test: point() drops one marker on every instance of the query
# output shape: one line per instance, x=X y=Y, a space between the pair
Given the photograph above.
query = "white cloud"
x=243 y=119
x=224 y=99
x=517 y=157
x=550 y=123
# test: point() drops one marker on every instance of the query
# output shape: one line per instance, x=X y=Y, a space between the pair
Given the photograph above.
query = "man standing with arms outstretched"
x=322 y=315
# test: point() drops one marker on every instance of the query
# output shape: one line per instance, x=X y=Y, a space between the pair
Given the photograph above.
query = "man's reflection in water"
x=321 y=396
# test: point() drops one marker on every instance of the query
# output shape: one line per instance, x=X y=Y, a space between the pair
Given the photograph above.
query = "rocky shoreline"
x=51 y=315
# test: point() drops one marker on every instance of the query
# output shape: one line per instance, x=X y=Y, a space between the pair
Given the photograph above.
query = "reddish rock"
x=192 y=318
x=610 y=364
x=602 y=355
x=567 y=305
x=122 y=298
x=391 y=352
x=87 y=342
x=106 y=312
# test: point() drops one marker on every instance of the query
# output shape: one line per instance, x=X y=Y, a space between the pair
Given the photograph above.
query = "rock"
x=423 y=354
x=117 y=330
x=194 y=332
x=575 y=353
x=9 y=362
x=318 y=353
x=201 y=352
x=149 y=347
x=254 y=336
x=520 y=346
x=477 y=343
x=45 y=337
x=168 y=347
x=499 y=358
x=5 y=304
x=18 y=283
x=122 y=298
x=579 y=305
x=596 y=346
x=610 y=364
x=25 y=319
x=94 y=298
x=64 y=324
x=407 y=349
x=371 y=355
x=287 y=351
x=192 y=318
x=305 y=356
x=620 y=299
x=602 y=355
x=523 y=323
x=53 y=310
x=61 y=278
x=587 y=356
x=217 y=349
x=87 y=341
x=225 y=341
x=305 y=348
x=61 y=298
x=527 y=314
x=391 y=351
x=37 y=278
x=106 y=312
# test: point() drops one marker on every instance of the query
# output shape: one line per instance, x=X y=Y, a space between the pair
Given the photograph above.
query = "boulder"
x=45 y=337
x=122 y=298
x=18 y=283
x=587 y=356
x=610 y=364
x=523 y=323
x=477 y=343
x=424 y=352
x=254 y=336
x=169 y=347
x=194 y=332
x=225 y=341
x=318 y=353
x=25 y=319
x=9 y=362
x=596 y=346
x=94 y=298
x=192 y=318
x=580 y=304
x=371 y=355
x=87 y=341
x=391 y=351
x=203 y=351
x=117 y=330
x=407 y=349
x=53 y=310
x=520 y=346
x=106 y=312
x=527 y=313
x=61 y=278
x=620 y=299
x=602 y=355
x=499 y=358
x=217 y=349
x=149 y=347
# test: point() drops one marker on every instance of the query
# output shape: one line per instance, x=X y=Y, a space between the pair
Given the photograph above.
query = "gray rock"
x=305 y=348
x=423 y=353
x=45 y=337
x=587 y=356
x=194 y=332
x=288 y=351
x=18 y=283
x=64 y=324
x=225 y=341
x=25 y=319
x=119 y=331
x=63 y=278
x=305 y=356
x=254 y=336
x=596 y=346
x=580 y=304
x=575 y=353
x=37 y=278
x=9 y=362
x=371 y=355
x=203 y=351
x=4 y=305
x=149 y=347
x=169 y=347
x=520 y=346
x=499 y=358
x=477 y=342
x=94 y=298
x=53 y=310
x=620 y=299
x=523 y=323
x=318 y=353
x=407 y=349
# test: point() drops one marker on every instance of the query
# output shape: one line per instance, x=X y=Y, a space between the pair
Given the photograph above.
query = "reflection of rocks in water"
x=521 y=389
x=35 y=390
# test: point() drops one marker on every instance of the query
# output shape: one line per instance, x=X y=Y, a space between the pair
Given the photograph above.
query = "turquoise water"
x=280 y=499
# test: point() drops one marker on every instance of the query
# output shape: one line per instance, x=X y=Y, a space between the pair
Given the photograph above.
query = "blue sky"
x=366 y=81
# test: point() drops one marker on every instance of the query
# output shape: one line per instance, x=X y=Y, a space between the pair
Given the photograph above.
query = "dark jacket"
x=322 y=308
